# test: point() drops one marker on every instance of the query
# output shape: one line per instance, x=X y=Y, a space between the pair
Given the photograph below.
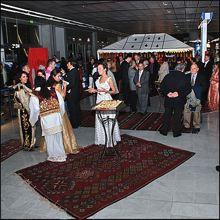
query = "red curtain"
x=36 y=57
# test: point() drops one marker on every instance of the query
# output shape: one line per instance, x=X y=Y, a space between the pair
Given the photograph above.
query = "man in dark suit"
x=153 y=68
x=141 y=80
x=73 y=93
x=124 y=77
x=207 y=73
x=175 y=88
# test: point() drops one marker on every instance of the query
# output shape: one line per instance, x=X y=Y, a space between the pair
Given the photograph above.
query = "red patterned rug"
x=9 y=148
x=84 y=184
x=152 y=121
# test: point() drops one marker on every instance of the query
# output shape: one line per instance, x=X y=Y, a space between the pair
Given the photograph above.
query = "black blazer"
x=74 y=86
x=207 y=72
x=124 y=72
x=175 y=81
x=200 y=81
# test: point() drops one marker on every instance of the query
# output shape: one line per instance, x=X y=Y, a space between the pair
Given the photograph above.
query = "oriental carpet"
x=152 y=121
x=85 y=184
x=10 y=147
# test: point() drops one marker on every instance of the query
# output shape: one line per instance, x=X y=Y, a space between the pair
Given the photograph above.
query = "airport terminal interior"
x=101 y=116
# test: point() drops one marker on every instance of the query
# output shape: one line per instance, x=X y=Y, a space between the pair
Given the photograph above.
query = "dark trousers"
x=74 y=113
x=126 y=91
x=205 y=95
x=133 y=100
x=176 y=113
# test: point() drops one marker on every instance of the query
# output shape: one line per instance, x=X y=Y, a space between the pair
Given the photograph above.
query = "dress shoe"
x=176 y=134
x=217 y=168
x=195 y=130
x=163 y=133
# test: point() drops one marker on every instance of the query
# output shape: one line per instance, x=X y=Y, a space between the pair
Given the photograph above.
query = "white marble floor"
x=189 y=191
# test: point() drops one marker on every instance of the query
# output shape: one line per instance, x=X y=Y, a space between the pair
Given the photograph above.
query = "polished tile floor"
x=189 y=191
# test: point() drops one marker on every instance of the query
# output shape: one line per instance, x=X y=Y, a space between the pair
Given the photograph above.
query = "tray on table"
x=108 y=105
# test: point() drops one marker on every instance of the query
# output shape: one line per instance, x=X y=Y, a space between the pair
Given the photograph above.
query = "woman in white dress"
x=105 y=88
x=49 y=105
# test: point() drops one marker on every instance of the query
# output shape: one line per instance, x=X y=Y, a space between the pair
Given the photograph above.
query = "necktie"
x=193 y=80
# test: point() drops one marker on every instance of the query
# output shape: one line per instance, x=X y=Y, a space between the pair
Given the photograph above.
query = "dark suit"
x=175 y=81
x=153 y=68
x=200 y=84
x=125 y=81
x=142 y=92
x=73 y=97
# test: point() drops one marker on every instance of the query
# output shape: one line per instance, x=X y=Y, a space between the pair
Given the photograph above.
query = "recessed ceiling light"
x=164 y=3
x=168 y=11
x=187 y=19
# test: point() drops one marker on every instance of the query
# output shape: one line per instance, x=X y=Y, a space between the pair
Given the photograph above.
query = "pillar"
x=60 y=45
x=203 y=38
x=47 y=38
x=94 y=44
x=3 y=58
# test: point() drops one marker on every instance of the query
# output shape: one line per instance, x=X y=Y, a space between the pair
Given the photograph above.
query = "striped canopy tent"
x=147 y=43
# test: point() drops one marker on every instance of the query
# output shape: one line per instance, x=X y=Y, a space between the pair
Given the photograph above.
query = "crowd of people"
x=48 y=97
x=54 y=96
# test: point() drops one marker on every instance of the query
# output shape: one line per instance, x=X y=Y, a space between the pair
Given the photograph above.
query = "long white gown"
x=99 y=130
x=51 y=128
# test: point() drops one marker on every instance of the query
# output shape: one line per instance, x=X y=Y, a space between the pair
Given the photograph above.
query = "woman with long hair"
x=213 y=94
x=69 y=138
x=40 y=73
x=21 y=102
x=105 y=88
x=49 y=105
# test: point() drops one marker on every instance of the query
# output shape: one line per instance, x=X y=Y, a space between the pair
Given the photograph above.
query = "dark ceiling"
x=172 y=17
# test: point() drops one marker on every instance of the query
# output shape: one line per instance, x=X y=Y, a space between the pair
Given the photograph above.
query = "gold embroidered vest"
x=49 y=106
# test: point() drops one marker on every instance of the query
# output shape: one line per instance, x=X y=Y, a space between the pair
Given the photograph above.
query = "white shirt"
x=206 y=63
x=140 y=74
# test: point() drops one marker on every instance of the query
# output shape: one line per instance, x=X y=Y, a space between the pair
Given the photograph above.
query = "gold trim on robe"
x=48 y=107
x=21 y=102
x=69 y=139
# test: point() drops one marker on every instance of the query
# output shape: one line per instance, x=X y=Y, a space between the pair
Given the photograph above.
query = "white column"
x=47 y=38
x=60 y=42
x=94 y=44
x=203 y=38
x=3 y=58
